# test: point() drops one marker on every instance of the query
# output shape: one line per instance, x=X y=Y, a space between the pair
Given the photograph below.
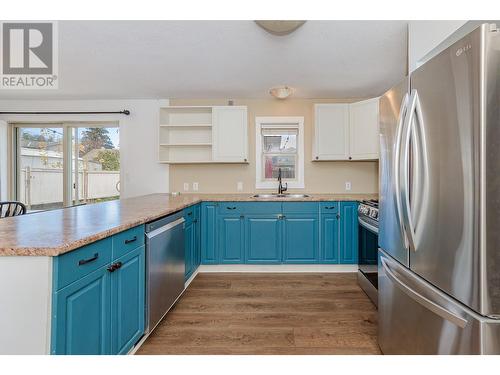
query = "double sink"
x=275 y=195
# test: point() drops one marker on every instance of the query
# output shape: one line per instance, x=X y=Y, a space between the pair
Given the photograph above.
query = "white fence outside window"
x=44 y=186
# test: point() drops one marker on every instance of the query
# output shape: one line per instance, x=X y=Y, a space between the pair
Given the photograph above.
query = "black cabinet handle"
x=190 y=213
x=231 y=208
x=85 y=261
x=133 y=239
x=330 y=208
x=338 y=216
x=115 y=266
x=111 y=268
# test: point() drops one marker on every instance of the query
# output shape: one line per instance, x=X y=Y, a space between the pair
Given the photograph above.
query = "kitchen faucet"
x=281 y=188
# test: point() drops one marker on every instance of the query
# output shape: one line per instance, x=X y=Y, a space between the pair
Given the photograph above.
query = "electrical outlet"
x=186 y=186
x=239 y=186
x=195 y=186
x=348 y=185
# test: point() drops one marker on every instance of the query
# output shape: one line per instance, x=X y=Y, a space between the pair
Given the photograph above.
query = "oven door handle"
x=372 y=228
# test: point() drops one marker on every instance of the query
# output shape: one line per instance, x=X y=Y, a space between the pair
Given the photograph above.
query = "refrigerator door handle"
x=414 y=126
x=422 y=300
x=397 y=165
x=419 y=175
x=404 y=171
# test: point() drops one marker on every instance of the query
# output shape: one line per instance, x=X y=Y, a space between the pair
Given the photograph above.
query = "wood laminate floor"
x=263 y=313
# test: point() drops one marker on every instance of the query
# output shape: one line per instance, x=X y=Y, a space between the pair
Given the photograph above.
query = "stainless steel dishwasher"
x=165 y=266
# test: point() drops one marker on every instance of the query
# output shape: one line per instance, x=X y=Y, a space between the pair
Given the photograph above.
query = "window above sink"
x=279 y=145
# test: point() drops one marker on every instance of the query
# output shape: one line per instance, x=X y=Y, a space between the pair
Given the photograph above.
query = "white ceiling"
x=224 y=59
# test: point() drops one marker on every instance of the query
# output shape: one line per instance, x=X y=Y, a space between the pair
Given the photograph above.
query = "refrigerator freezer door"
x=490 y=304
x=446 y=248
x=416 y=318
x=392 y=108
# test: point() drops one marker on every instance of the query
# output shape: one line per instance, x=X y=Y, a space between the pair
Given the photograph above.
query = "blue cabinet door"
x=348 y=233
x=189 y=248
x=263 y=237
x=127 y=301
x=231 y=239
x=197 y=247
x=329 y=238
x=301 y=238
x=81 y=316
x=209 y=254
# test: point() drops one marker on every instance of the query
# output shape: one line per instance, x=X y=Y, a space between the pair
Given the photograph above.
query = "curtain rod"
x=124 y=112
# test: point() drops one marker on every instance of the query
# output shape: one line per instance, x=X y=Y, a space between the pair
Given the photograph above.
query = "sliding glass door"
x=96 y=164
x=60 y=165
x=40 y=161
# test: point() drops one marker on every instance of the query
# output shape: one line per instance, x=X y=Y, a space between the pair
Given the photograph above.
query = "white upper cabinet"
x=346 y=131
x=203 y=134
x=230 y=134
x=364 y=130
x=331 y=133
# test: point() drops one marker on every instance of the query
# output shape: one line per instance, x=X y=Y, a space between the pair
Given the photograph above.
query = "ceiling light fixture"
x=280 y=28
x=281 y=92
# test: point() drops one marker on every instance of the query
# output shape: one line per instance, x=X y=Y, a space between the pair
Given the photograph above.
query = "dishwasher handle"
x=166 y=227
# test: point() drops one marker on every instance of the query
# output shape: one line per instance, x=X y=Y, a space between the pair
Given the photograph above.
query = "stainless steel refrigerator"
x=439 y=226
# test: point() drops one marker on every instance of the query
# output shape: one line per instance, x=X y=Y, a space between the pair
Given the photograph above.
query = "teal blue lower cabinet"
x=102 y=311
x=189 y=249
x=263 y=239
x=197 y=248
x=348 y=233
x=329 y=249
x=279 y=232
x=81 y=316
x=301 y=238
x=128 y=301
x=209 y=253
x=231 y=238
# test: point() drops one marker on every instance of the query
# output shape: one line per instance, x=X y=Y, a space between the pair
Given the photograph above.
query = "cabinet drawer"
x=300 y=207
x=128 y=240
x=329 y=207
x=74 y=265
x=230 y=208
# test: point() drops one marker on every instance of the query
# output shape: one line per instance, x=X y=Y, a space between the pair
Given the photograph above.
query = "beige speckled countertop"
x=56 y=232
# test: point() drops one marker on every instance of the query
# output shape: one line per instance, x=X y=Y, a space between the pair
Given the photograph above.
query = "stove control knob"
x=374 y=214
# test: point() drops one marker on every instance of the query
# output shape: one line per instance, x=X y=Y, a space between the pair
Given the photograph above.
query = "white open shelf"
x=185 y=135
x=202 y=134
x=186 y=144
x=185 y=125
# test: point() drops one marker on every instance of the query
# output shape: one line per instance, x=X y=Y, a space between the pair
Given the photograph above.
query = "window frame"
x=68 y=150
x=277 y=122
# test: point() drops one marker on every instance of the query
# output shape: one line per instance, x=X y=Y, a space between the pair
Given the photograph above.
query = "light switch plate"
x=186 y=186
x=195 y=186
x=348 y=185
x=239 y=186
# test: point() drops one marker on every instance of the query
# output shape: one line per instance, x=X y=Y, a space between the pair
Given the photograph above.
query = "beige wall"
x=320 y=177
